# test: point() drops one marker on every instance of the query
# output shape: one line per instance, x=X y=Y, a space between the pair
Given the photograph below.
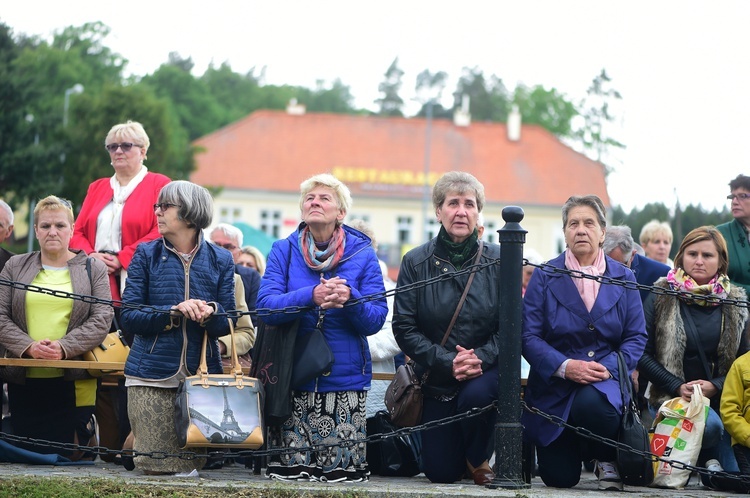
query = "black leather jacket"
x=422 y=316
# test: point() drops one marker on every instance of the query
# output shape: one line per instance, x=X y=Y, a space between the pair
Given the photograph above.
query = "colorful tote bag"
x=677 y=435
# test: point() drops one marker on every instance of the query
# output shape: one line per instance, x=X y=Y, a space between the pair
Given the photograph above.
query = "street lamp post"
x=426 y=187
x=76 y=89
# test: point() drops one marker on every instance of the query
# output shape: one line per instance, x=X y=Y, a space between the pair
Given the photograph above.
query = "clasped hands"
x=331 y=293
x=586 y=372
x=45 y=350
x=112 y=261
x=194 y=309
x=466 y=364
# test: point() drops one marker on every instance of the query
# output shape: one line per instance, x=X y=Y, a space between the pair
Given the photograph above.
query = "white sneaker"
x=609 y=477
x=713 y=465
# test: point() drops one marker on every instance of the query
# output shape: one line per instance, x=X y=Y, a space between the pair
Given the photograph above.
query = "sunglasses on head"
x=125 y=146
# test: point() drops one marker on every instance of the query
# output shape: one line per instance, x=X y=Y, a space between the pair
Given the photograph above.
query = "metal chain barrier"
x=191 y=455
x=632 y=285
x=260 y=312
x=647 y=455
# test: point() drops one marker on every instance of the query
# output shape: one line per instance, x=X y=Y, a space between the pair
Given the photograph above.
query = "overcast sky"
x=679 y=65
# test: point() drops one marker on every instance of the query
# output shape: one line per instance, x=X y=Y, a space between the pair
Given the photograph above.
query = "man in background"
x=620 y=246
x=230 y=238
x=6 y=229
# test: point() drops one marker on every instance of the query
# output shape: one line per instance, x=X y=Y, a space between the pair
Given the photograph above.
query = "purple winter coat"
x=557 y=326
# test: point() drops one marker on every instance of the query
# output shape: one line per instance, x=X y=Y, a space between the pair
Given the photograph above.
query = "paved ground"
x=237 y=476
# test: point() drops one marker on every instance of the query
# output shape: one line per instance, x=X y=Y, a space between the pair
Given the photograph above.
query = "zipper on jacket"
x=186 y=267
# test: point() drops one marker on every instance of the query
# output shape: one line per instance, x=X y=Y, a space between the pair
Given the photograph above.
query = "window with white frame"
x=270 y=222
x=359 y=216
x=404 y=227
x=490 y=232
x=230 y=214
x=432 y=227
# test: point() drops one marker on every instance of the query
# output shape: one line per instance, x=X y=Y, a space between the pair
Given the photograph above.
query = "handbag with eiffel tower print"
x=219 y=410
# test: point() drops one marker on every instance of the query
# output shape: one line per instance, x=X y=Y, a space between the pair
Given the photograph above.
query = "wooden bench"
x=116 y=369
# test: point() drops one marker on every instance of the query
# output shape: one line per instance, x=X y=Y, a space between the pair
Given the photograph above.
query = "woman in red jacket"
x=118 y=212
x=117 y=215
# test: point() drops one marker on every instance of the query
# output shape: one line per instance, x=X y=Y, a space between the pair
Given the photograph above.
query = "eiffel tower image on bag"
x=227 y=430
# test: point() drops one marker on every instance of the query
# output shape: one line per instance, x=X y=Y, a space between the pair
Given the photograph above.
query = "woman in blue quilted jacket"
x=323 y=266
x=186 y=280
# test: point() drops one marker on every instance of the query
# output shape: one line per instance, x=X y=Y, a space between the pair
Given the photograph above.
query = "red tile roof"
x=276 y=151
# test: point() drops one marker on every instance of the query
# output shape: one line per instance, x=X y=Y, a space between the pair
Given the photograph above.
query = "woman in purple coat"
x=572 y=331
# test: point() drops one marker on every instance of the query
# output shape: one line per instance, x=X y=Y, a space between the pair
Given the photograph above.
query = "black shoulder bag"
x=635 y=469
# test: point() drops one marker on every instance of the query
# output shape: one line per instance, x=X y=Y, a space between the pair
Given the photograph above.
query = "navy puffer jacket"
x=160 y=278
x=288 y=281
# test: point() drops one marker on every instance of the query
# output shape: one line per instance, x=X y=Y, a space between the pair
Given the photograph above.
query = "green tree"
x=489 y=97
x=170 y=152
x=197 y=109
x=598 y=117
x=16 y=134
x=681 y=221
x=42 y=72
x=547 y=108
x=337 y=98
x=391 y=103
x=429 y=88
x=237 y=94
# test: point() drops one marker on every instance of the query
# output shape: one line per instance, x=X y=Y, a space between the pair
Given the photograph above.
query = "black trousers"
x=44 y=409
x=446 y=449
x=560 y=461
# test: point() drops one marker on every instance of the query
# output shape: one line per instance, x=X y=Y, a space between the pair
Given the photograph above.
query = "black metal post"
x=508 y=429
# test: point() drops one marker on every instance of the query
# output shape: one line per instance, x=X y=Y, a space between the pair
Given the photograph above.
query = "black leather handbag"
x=635 y=469
x=312 y=355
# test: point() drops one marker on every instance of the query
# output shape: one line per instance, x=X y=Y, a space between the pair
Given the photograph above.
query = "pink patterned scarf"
x=587 y=288
x=717 y=288
x=326 y=259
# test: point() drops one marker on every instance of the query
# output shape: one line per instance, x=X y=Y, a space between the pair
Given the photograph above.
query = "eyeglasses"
x=165 y=205
x=125 y=146
x=741 y=196
x=228 y=247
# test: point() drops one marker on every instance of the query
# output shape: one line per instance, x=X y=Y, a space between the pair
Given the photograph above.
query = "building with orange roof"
x=390 y=165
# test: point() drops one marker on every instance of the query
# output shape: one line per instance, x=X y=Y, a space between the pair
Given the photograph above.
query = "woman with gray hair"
x=573 y=329
x=462 y=367
x=321 y=267
x=189 y=280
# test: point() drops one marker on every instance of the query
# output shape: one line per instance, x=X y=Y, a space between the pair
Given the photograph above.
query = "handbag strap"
x=626 y=385
x=463 y=296
x=235 y=368
x=693 y=331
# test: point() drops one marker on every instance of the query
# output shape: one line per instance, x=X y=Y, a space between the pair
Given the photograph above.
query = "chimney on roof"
x=514 y=124
x=462 y=116
x=294 y=108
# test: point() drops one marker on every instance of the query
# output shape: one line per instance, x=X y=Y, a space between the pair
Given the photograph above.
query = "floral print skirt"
x=327 y=419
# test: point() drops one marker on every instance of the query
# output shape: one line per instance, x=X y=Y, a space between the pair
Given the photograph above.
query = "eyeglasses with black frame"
x=741 y=196
x=165 y=205
x=125 y=146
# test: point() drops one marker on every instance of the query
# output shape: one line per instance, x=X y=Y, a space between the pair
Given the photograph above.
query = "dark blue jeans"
x=446 y=449
x=560 y=461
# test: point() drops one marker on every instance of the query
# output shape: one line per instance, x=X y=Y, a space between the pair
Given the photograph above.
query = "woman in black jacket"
x=679 y=328
x=463 y=372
